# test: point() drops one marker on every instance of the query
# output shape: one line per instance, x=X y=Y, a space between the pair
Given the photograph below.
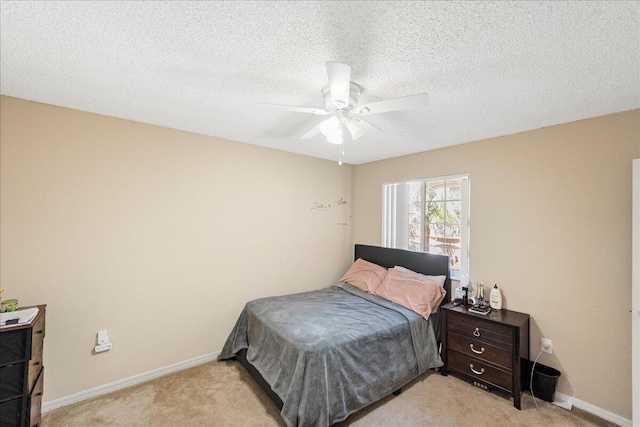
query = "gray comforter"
x=330 y=352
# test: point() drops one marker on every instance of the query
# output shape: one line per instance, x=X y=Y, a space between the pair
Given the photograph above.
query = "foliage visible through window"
x=430 y=216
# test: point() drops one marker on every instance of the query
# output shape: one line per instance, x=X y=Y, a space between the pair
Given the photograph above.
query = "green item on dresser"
x=10 y=304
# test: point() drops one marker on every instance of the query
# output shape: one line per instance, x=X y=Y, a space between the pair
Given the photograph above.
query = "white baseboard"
x=127 y=382
x=564 y=399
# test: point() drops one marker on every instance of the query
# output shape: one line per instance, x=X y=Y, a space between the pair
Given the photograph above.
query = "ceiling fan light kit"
x=332 y=130
x=341 y=97
x=356 y=127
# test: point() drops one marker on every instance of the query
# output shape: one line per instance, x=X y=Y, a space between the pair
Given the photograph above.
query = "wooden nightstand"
x=492 y=351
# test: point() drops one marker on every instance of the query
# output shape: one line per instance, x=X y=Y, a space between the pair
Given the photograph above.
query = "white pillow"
x=438 y=279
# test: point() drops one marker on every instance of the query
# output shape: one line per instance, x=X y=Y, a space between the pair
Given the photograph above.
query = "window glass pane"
x=454 y=212
x=414 y=209
x=454 y=258
x=414 y=191
x=453 y=190
x=434 y=190
x=415 y=213
x=434 y=212
x=414 y=219
x=434 y=234
x=414 y=246
x=452 y=233
x=435 y=250
x=414 y=229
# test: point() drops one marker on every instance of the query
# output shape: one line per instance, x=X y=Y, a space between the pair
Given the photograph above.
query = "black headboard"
x=420 y=262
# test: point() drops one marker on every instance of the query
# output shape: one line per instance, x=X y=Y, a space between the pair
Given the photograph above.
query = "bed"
x=323 y=355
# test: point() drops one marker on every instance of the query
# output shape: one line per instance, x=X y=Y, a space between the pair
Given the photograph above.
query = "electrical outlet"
x=103 y=347
x=546 y=345
x=103 y=338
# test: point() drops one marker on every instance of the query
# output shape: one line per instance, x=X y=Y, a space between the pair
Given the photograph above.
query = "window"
x=429 y=215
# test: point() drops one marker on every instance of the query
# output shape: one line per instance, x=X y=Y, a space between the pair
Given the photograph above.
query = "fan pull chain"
x=341 y=147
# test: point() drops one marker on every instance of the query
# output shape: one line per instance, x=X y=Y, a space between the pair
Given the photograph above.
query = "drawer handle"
x=39 y=394
x=38 y=362
x=476 y=333
x=476 y=351
x=41 y=331
x=480 y=372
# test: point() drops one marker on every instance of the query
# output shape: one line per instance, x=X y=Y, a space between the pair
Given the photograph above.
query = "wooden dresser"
x=21 y=372
x=491 y=351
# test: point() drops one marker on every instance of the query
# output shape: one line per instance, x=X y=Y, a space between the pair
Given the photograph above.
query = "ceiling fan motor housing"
x=354 y=94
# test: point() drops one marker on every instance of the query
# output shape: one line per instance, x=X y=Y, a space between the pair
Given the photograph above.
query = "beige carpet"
x=222 y=394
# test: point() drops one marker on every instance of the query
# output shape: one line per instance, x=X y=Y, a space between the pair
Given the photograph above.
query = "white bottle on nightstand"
x=495 y=300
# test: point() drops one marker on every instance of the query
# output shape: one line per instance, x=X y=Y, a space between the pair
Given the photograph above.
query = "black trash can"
x=545 y=380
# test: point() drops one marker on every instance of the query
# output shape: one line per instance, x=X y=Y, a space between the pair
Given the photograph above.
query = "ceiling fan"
x=341 y=97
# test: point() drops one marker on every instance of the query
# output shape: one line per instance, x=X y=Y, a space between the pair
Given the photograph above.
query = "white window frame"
x=395 y=216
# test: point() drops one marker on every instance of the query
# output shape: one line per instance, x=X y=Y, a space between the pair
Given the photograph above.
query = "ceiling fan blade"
x=339 y=83
x=314 y=131
x=370 y=126
x=420 y=100
x=317 y=111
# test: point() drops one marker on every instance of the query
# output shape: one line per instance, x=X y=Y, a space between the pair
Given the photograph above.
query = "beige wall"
x=551 y=225
x=126 y=226
x=157 y=235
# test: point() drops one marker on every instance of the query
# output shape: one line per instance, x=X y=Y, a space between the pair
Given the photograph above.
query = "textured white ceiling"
x=490 y=68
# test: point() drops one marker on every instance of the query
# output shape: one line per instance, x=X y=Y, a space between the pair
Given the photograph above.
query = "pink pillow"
x=415 y=292
x=364 y=275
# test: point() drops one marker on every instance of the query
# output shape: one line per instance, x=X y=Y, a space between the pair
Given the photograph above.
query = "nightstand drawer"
x=477 y=369
x=11 y=381
x=479 y=330
x=11 y=412
x=13 y=346
x=481 y=350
